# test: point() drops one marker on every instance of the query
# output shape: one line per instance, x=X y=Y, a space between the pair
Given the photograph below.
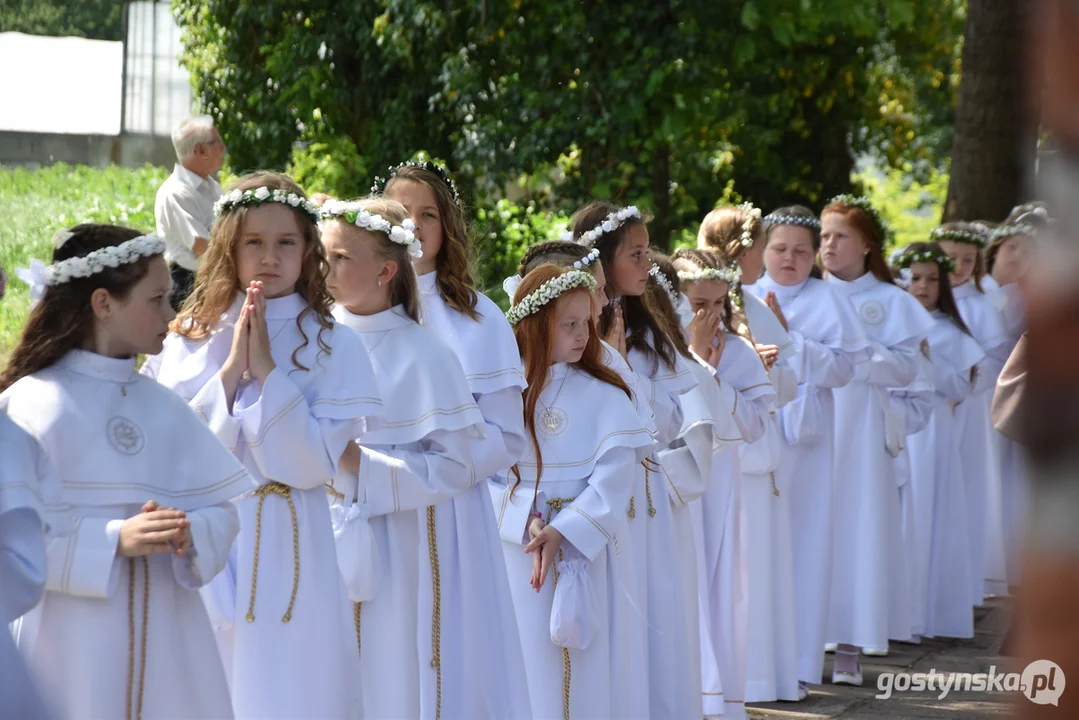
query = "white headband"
x=107 y=257
x=356 y=215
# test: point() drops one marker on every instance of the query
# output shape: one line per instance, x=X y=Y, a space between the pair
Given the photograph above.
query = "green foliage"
x=500 y=236
x=37 y=203
x=911 y=208
x=657 y=104
x=94 y=19
x=334 y=167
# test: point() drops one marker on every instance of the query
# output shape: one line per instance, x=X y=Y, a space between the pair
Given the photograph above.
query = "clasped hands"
x=156 y=530
x=250 y=351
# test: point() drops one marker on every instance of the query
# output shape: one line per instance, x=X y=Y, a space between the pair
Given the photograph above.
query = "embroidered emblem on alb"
x=553 y=421
x=872 y=312
x=125 y=436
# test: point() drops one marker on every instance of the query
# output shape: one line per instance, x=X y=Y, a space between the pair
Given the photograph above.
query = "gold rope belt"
x=648 y=470
x=555 y=505
x=263 y=491
x=356 y=609
x=775 y=490
x=131 y=634
x=436 y=617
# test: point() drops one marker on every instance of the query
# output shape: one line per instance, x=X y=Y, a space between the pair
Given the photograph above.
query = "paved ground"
x=943 y=656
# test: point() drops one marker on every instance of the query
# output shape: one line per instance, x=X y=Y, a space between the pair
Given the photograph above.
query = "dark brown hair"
x=946 y=301
x=218 y=281
x=866 y=226
x=534 y=335
x=64 y=318
x=455 y=282
x=979 y=260
x=637 y=312
x=555 y=252
x=663 y=304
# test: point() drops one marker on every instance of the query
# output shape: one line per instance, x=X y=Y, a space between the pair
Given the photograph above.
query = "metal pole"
x=153 y=68
x=124 y=25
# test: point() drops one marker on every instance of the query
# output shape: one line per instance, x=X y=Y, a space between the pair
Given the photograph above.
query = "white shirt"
x=184 y=209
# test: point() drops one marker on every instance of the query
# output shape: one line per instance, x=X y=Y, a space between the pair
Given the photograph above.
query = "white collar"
x=99 y=367
x=866 y=281
x=188 y=177
x=428 y=282
x=390 y=319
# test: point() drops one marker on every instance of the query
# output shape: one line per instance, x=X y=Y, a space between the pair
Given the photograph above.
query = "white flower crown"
x=510 y=284
x=663 y=281
x=903 y=258
x=801 y=220
x=610 y=223
x=353 y=213
x=727 y=275
x=549 y=291
x=964 y=236
x=863 y=203
x=262 y=195
x=106 y=257
x=753 y=216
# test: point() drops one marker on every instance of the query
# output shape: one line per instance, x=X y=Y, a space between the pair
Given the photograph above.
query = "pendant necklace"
x=553 y=420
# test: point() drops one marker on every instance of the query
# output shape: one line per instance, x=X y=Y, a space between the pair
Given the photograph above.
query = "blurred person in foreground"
x=184 y=207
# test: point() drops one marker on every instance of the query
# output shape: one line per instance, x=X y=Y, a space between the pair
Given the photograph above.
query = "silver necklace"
x=552 y=420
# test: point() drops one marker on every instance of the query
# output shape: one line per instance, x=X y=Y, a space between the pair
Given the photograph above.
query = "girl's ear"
x=101 y=304
x=388 y=272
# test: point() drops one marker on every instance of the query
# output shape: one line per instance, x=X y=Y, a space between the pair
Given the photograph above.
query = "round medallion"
x=872 y=312
x=125 y=436
x=552 y=421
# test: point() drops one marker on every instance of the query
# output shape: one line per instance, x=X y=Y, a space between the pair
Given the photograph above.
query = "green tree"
x=94 y=19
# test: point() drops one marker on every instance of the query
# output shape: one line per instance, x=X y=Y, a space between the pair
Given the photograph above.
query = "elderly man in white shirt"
x=185 y=201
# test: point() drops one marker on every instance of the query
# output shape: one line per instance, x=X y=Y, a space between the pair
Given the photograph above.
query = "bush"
x=333 y=166
x=500 y=235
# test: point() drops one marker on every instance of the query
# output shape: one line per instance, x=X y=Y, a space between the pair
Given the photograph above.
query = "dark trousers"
x=183 y=282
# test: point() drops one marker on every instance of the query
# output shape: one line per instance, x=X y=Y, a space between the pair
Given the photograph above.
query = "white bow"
x=34 y=277
x=510 y=285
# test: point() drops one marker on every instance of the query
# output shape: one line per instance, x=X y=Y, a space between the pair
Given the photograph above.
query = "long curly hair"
x=64 y=320
x=693 y=260
x=455 y=281
x=535 y=335
x=217 y=281
x=645 y=332
x=867 y=227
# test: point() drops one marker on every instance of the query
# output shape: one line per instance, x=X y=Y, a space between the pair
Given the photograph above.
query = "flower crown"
x=510 y=284
x=354 y=214
x=262 y=195
x=727 y=275
x=805 y=221
x=970 y=237
x=610 y=223
x=863 y=204
x=1007 y=231
x=753 y=216
x=96 y=261
x=379 y=185
x=663 y=281
x=548 y=291
x=903 y=258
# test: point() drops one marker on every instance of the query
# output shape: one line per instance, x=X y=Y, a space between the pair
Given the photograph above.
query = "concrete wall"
x=36 y=149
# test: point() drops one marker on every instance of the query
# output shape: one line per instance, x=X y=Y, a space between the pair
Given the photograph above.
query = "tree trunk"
x=993 y=146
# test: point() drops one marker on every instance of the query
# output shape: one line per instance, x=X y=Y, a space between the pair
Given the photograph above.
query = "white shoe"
x=845 y=678
x=803 y=690
x=875 y=652
x=831 y=647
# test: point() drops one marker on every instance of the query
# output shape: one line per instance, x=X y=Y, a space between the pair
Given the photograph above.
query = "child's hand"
x=258 y=348
x=547 y=541
x=153 y=531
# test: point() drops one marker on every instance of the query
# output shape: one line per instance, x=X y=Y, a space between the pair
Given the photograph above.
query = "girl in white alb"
x=736 y=234
x=979 y=442
x=869 y=582
x=24 y=480
x=419 y=455
x=144 y=492
x=257 y=354
x=472 y=639
x=828 y=341
x=573 y=476
x=942 y=559
x=621 y=236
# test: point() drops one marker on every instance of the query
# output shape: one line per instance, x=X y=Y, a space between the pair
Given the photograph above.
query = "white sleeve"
x=212 y=406
x=687 y=464
x=893 y=367
x=213 y=529
x=591 y=520
x=503 y=443
x=22 y=563
x=177 y=219
x=395 y=479
x=821 y=366
x=87 y=561
x=287 y=442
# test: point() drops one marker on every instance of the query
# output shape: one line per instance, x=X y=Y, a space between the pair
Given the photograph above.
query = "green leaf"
x=751 y=16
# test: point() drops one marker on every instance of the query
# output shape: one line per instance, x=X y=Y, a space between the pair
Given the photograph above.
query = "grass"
x=34 y=204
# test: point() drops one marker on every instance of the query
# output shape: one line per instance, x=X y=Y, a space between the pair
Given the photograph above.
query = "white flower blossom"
x=96 y=261
x=611 y=223
x=547 y=292
x=253 y=198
